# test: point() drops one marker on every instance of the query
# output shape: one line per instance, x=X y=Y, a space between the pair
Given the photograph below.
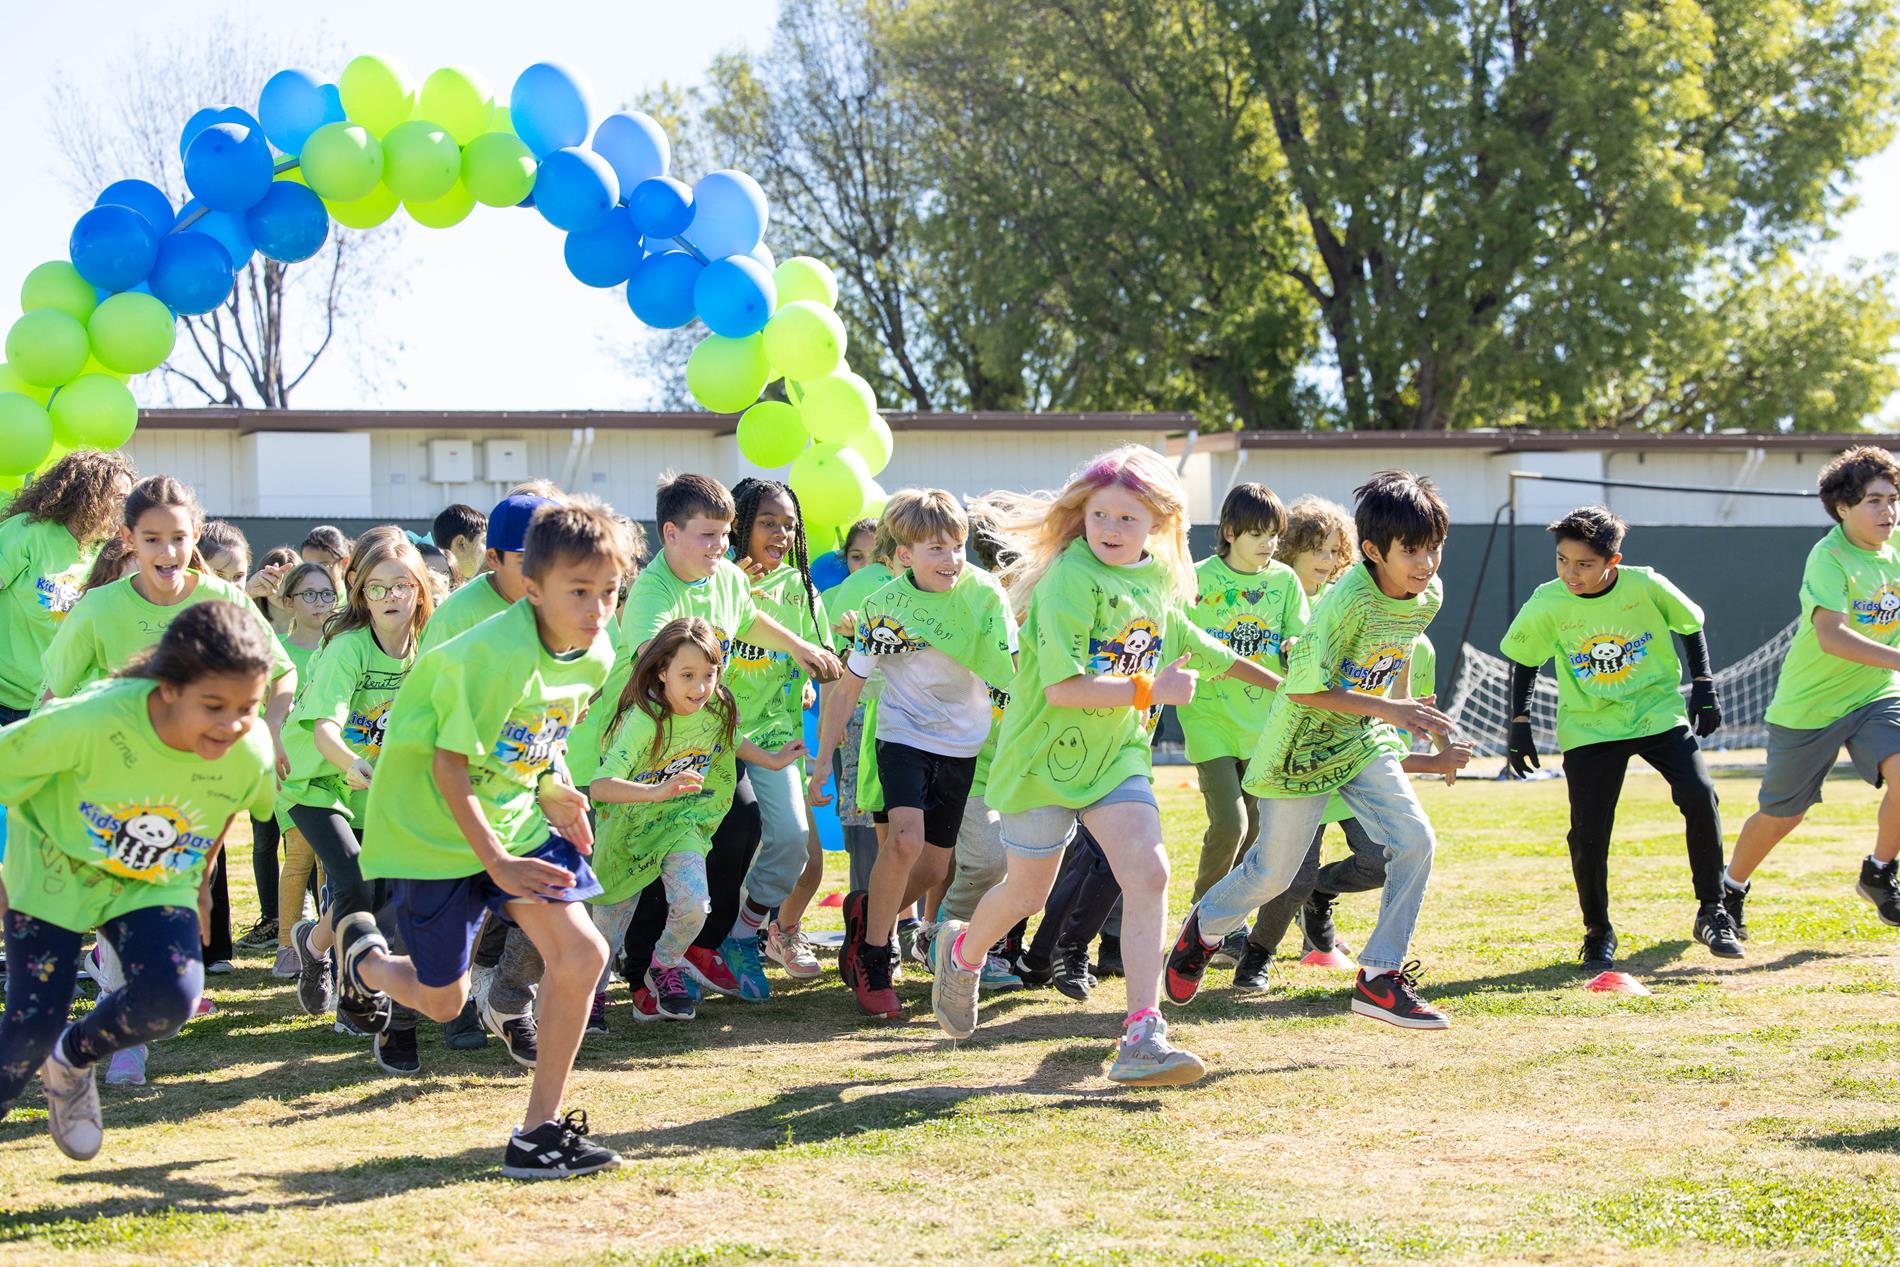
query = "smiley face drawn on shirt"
x=1067 y=753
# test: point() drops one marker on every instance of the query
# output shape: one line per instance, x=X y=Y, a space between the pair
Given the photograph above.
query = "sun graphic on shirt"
x=1373 y=672
x=1249 y=638
x=886 y=635
x=1135 y=649
x=698 y=759
x=366 y=730
x=1879 y=611
x=142 y=840
x=1608 y=658
x=526 y=747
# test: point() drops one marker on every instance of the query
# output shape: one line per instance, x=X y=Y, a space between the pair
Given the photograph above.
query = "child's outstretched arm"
x=813 y=659
x=1837 y=638
x=1406 y=714
x=328 y=738
x=1254 y=675
x=752 y=754
x=840 y=701
x=1174 y=684
x=608 y=790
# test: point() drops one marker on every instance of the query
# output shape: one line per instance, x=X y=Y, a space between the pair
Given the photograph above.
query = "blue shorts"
x=1047 y=830
x=441 y=919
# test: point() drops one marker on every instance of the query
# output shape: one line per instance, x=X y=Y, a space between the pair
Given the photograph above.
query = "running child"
x=120 y=796
x=1840 y=685
x=1607 y=626
x=664 y=784
x=1330 y=729
x=1101 y=575
x=468 y=812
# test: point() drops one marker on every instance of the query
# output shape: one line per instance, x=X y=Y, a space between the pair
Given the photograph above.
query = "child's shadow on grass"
x=1881 y=1139
x=1662 y=961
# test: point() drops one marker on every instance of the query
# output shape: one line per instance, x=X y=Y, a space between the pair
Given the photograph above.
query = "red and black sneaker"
x=856 y=905
x=1187 y=962
x=1392 y=997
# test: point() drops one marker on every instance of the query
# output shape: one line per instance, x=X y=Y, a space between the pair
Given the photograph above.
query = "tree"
x=280 y=320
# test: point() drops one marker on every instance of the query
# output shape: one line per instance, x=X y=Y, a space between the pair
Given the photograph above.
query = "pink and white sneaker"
x=792 y=952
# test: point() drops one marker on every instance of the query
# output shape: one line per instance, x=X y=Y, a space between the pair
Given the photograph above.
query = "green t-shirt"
x=1424 y=667
x=1816 y=689
x=1087 y=618
x=352 y=682
x=497 y=696
x=768 y=686
x=1254 y=614
x=462 y=611
x=1617 y=671
x=300 y=657
x=111 y=624
x=105 y=817
x=41 y=570
x=632 y=840
x=1359 y=640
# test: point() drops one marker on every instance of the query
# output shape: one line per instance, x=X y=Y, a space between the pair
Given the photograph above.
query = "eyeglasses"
x=316 y=596
x=376 y=591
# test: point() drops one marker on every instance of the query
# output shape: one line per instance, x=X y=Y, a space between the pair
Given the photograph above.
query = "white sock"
x=1878 y=863
x=1729 y=882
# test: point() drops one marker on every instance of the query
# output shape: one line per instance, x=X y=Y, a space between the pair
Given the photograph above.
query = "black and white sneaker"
x=1231 y=946
x=367 y=1009
x=315 y=993
x=556 y=1150
x=1316 y=921
x=1072 y=976
x=259 y=936
x=1033 y=969
x=517 y=1033
x=1599 y=951
x=1881 y=886
x=1392 y=997
x=1250 y=974
x=1714 y=929
x=395 y=1051
x=1733 y=900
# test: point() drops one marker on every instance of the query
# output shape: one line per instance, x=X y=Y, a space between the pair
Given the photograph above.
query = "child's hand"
x=283 y=758
x=263 y=582
x=685 y=783
x=566 y=811
x=815 y=788
x=530 y=878
x=1418 y=717
x=846 y=626
x=358 y=775
x=811 y=696
x=752 y=570
x=788 y=754
x=818 y=662
x=1450 y=759
x=1175 y=684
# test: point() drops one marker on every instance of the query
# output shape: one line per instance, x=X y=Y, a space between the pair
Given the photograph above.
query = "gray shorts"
x=1047 y=830
x=1799 y=761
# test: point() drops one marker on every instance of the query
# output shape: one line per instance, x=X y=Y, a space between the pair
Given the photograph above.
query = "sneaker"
x=1187 y=962
x=1881 y=886
x=1108 y=957
x=909 y=930
x=127 y=1067
x=1714 y=929
x=1072 y=976
x=1250 y=974
x=1145 y=1057
x=395 y=1051
x=997 y=976
x=347 y=1026
x=1228 y=953
x=954 y=987
x=854 y=908
x=709 y=970
x=516 y=1033
x=284 y=967
x=95 y=967
x=465 y=1032
x=872 y=986
x=72 y=1105
x=744 y=965
x=1733 y=900
x=259 y=936
x=556 y=1150
x=1033 y=969
x=204 y=1007
x=596 y=1018
x=667 y=986
x=356 y=936
x=314 y=991
x=1392 y=997
x=1599 y=951
x=791 y=951
x=644 y=1008
x=1316 y=921
x=218 y=968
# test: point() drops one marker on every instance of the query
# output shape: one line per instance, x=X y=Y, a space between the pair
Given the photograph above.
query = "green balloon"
x=132 y=333
x=831 y=483
x=377 y=93
x=341 y=162
x=803 y=277
x=445 y=212
x=48 y=347
x=498 y=168
x=458 y=99
x=93 y=411
x=725 y=375
x=26 y=434
x=804 y=340
x=875 y=500
x=57 y=284
x=372 y=209
x=771 y=433
x=875 y=445
x=10 y=381
x=837 y=408
x=420 y=161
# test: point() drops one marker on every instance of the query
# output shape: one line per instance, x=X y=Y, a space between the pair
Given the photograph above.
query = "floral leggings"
x=164 y=975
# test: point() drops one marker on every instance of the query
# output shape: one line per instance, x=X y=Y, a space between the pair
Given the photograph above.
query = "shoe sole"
x=797 y=974
x=1179 y=1073
x=1252 y=987
x=518 y=1172
x=1737 y=953
x=1169 y=992
x=1875 y=903
x=1362 y=1008
x=1069 y=991
x=398 y=1070
x=645 y=1017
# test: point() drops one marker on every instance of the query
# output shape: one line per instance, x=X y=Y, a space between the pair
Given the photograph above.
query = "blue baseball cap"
x=508 y=521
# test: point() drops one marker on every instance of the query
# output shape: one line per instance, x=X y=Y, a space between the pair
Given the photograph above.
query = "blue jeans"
x=784 y=827
x=1382 y=799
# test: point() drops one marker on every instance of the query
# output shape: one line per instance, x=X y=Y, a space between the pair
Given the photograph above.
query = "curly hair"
x=82 y=492
x=1843 y=482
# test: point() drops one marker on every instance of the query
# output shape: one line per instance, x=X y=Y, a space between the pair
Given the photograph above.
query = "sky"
x=491 y=318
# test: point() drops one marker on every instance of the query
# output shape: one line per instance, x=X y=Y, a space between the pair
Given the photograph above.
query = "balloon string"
x=287 y=164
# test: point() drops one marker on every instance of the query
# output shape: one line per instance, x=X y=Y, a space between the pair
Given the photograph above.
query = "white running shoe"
x=1146 y=1058
x=72 y=1105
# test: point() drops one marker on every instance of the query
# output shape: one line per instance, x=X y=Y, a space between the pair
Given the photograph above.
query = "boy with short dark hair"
x=1840 y=685
x=1607 y=626
x=501 y=582
x=470 y=812
x=459 y=531
x=1331 y=727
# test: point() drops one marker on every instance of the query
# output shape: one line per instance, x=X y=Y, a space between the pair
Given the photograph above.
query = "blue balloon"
x=549 y=109
x=289 y=223
x=575 y=189
x=661 y=207
x=604 y=255
x=113 y=247
x=228 y=229
x=660 y=292
x=763 y=254
x=229 y=166
x=735 y=296
x=635 y=145
x=143 y=197
x=193 y=274
x=292 y=106
x=202 y=119
x=729 y=214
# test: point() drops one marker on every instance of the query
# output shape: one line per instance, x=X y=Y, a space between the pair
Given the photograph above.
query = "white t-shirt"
x=930 y=702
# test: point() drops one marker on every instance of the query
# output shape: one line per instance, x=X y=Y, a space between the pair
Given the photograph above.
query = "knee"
x=443 y=1003
x=159 y=1009
x=1147 y=873
x=906 y=843
x=586 y=956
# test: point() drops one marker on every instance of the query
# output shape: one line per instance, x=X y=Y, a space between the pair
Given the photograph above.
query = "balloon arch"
x=270 y=183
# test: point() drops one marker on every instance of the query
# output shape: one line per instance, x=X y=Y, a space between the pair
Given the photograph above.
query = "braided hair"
x=746 y=495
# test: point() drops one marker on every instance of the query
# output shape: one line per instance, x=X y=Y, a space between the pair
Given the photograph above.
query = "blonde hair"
x=924 y=514
x=1033 y=529
x=1310 y=523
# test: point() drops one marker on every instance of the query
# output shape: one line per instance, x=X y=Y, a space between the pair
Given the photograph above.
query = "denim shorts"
x=441 y=919
x=1047 y=830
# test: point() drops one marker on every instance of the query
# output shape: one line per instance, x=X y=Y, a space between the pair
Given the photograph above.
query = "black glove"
x=1521 y=758
x=1705 y=710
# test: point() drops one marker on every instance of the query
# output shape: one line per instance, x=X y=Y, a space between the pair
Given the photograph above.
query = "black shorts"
x=441 y=919
x=927 y=781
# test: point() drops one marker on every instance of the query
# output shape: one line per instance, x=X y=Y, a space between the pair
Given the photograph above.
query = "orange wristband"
x=1144 y=690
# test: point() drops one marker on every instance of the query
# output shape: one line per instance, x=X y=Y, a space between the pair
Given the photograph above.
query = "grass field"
x=1744 y=1113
